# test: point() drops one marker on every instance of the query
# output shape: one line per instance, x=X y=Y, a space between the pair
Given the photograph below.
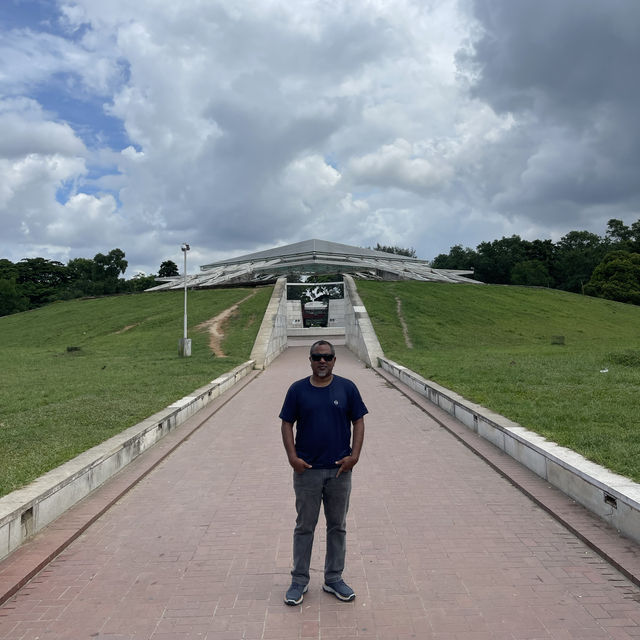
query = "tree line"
x=581 y=262
x=400 y=251
x=33 y=282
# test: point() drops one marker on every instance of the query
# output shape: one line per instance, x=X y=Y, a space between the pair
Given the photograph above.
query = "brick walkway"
x=440 y=545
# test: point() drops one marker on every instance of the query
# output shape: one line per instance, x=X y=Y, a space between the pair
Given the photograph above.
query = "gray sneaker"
x=340 y=590
x=295 y=594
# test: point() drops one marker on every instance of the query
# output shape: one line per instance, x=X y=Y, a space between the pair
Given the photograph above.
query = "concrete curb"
x=25 y=512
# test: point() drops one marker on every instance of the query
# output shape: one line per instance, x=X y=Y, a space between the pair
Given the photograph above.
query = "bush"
x=617 y=277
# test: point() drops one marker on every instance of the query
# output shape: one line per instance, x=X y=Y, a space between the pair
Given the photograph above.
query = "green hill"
x=498 y=346
x=75 y=373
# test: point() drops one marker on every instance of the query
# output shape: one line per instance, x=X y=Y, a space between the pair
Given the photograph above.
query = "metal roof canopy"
x=311 y=247
x=312 y=257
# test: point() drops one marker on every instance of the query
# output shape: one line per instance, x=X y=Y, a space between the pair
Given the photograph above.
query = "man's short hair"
x=320 y=342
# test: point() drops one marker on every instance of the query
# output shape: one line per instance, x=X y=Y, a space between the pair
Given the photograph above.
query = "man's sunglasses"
x=327 y=357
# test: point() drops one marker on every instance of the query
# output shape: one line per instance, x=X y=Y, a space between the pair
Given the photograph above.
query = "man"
x=323 y=407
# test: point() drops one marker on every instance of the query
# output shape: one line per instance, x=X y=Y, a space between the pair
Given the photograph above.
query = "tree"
x=141 y=282
x=617 y=277
x=621 y=237
x=577 y=255
x=8 y=270
x=108 y=268
x=410 y=253
x=11 y=300
x=80 y=271
x=541 y=250
x=41 y=280
x=168 y=269
x=457 y=258
x=618 y=233
x=496 y=259
x=634 y=240
x=531 y=273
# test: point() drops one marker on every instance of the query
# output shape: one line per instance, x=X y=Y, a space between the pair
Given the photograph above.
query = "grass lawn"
x=57 y=403
x=495 y=346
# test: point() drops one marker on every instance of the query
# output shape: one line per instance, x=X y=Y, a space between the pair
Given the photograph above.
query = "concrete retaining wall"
x=294 y=314
x=271 y=340
x=614 y=498
x=26 y=511
x=336 y=313
x=360 y=336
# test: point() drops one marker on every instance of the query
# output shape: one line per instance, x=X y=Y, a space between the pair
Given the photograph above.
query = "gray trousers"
x=313 y=487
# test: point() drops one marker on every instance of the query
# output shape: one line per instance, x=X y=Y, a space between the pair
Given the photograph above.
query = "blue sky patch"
x=64 y=97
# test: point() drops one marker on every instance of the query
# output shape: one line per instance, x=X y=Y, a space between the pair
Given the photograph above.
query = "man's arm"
x=298 y=464
x=348 y=462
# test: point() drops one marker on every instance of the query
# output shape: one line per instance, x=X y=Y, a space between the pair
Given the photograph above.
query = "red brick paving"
x=440 y=545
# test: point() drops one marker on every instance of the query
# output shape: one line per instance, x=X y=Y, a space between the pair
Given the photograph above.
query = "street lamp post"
x=184 y=345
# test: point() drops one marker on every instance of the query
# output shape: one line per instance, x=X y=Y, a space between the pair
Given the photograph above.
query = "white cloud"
x=238 y=126
x=400 y=165
x=311 y=177
x=25 y=131
x=83 y=217
x=37 y=158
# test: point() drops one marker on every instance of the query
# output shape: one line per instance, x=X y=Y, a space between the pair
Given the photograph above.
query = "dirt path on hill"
x=129 y=326
x=405 y=329
x=215 y=326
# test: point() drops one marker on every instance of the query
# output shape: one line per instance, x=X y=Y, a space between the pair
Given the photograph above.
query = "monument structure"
x=312 y=257
x=310 y=304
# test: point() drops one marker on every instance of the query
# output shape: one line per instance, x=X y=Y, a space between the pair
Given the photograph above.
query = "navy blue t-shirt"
x=323 y=417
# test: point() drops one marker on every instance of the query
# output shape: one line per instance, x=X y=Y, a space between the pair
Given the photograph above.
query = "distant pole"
x=184 y=346
x=185 y=248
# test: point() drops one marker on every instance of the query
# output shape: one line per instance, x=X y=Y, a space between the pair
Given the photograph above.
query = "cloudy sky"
x=239 y=125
